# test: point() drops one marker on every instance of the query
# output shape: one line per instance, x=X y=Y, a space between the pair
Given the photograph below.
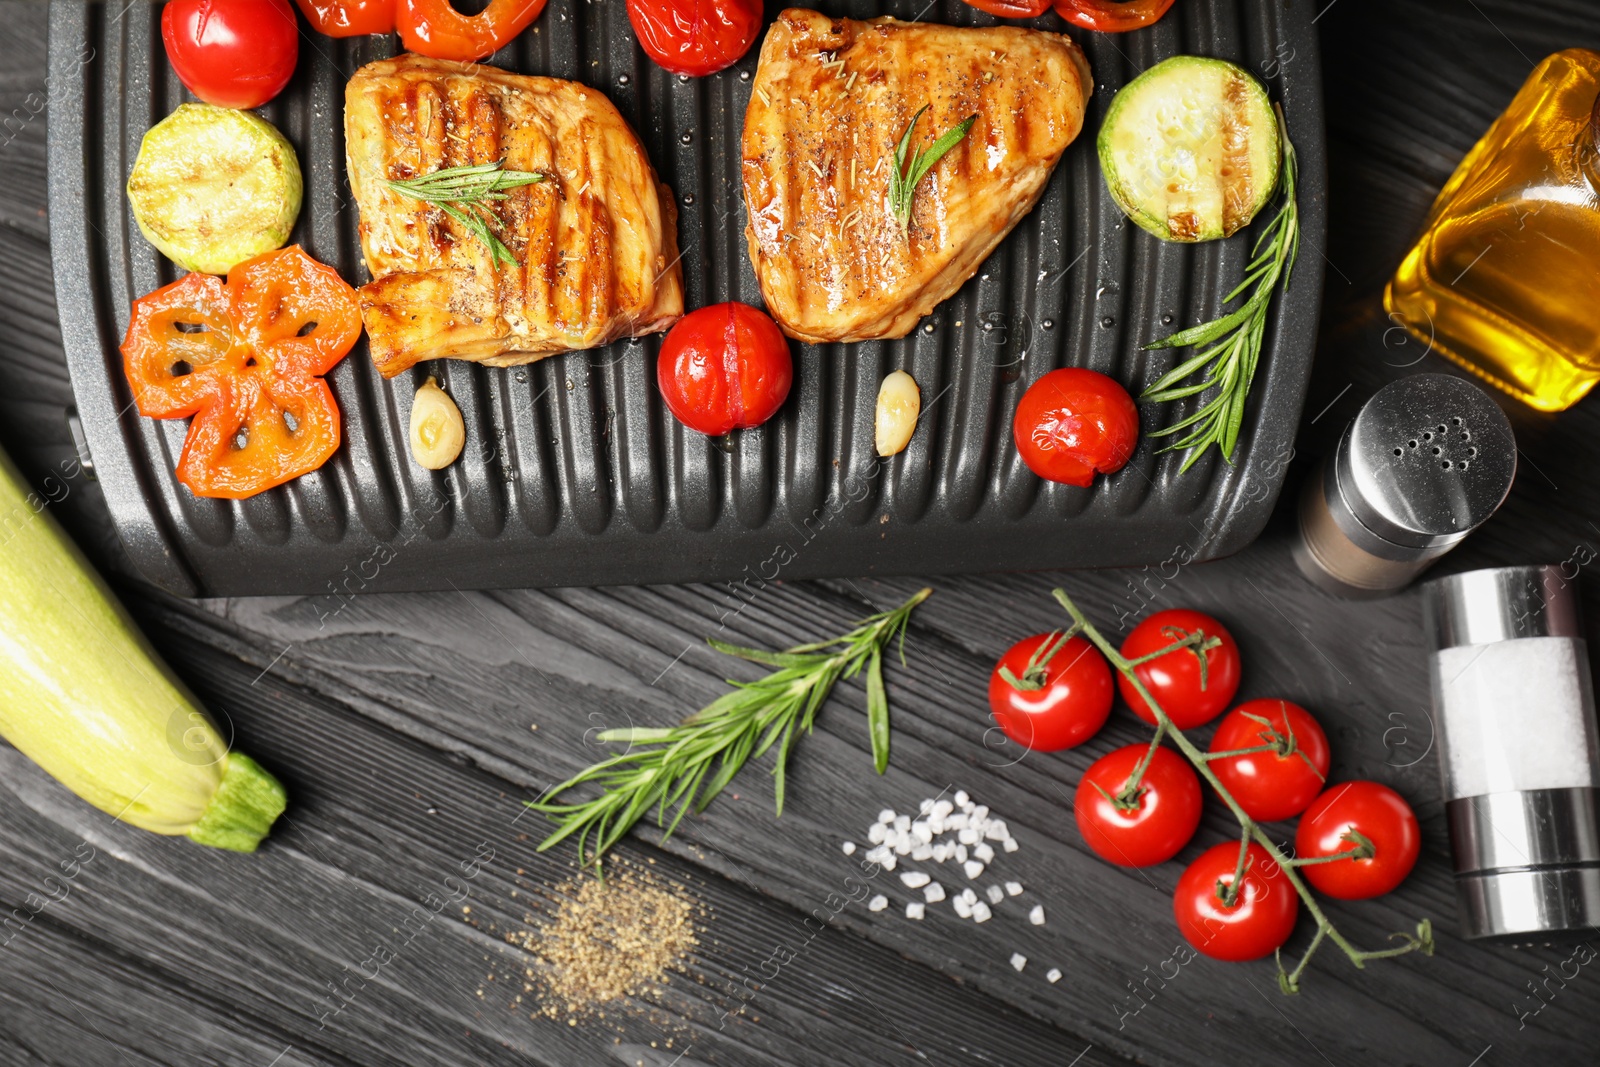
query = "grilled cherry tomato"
x=1189 y=695
x=1149 y=827
x=1278 y=783
x=1073 y=422
x=349 y=18
x=1258 y=920
x=1338 y=820
x=695 y=37
x=232 y=53
x=1049 y=693
x=245 y=358
x=435 y=28
x=724 y=367
x=1110 y=16
x=1012 y=9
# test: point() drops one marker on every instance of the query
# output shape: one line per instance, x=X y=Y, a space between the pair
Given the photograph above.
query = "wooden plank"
x=381 y=821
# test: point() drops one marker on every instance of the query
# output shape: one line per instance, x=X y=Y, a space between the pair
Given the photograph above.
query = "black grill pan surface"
x=574 y=473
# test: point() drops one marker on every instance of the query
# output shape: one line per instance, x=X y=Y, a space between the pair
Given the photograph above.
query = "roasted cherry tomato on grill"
x=1257 y=919
x=1050 y=692
x=1012 y=9
x=1073 y=422
x=724 y=367
x=1146 y=825
x=695 y=37
x=349 y=18
x=1365 y=818
x=245 y=358
x=232 y=53
x=1278 y=781
x=1192 y=687
x=1111 y=16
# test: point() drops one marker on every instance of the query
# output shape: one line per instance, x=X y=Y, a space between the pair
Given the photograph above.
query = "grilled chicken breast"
x=595 y=242
x=831 y=100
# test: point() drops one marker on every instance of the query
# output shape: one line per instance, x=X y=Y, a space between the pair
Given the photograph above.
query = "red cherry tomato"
x=1061 y=695
x=1278 y=784
x=1013 y=9
x=1074 y=422
x=723 y=367
x=695 y=37
x=232 y=53
x=1160 y=819
x=1111 y=16
x=1260 y=918
x=1377 y=813
x=1175 y=680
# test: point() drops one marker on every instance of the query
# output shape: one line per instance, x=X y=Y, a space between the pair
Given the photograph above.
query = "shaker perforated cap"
x=1425 y=462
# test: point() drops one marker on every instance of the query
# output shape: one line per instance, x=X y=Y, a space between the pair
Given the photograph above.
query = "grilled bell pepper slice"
x=1112 y=16
x=434 y=28
x=245 y=358
x=1012 y=9
x=349 y=18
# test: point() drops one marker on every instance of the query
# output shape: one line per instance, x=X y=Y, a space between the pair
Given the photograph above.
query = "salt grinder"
x=1425 y=462
x=1514 y=719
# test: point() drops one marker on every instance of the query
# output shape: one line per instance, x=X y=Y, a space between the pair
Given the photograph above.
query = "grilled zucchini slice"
x=1189 y=148
x=213 y=187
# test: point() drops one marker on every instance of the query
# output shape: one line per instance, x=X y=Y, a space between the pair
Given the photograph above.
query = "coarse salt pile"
x=960 y=832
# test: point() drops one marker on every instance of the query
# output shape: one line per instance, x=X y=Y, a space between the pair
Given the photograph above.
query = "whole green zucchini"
x=84 y=696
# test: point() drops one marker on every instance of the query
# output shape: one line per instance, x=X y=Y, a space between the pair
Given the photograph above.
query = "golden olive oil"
x=1505 y=279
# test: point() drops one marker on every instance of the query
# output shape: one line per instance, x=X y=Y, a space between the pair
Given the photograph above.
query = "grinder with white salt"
x=1519 y=751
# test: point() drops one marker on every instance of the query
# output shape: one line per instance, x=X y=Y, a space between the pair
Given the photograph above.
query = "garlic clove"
x=437 y=431
x=899 y=404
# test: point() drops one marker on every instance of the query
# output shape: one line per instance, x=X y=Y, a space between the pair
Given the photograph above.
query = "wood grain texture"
x=403 y=726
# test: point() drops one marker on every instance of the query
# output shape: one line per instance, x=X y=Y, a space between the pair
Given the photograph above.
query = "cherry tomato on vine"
x=1074 y=422
x=1331 y=825
x=1149 y=827
x=1111 y=16
x=1049 y=692
x=232 y=53
x=1261 y=916
x=1276 y=784
x=1189 y=695
x=1013 y=9
x=695 y=37
x=724 y=367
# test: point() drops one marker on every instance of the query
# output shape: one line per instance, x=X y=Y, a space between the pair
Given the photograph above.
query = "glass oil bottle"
x=1505 y=279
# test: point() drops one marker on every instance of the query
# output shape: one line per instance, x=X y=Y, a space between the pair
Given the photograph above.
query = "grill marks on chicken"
x=595 y=241
x=831 y=99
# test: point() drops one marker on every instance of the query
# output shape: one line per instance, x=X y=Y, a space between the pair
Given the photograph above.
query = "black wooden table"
x=410 y=728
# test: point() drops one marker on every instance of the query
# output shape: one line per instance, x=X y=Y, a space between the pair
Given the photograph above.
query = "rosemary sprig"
x=462 y=192
x=1231 y=345
x=907 y=175
x=672 y=766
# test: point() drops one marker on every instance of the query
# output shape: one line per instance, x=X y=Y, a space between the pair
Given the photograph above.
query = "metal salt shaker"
x=1519 y=751
x=1425 y=462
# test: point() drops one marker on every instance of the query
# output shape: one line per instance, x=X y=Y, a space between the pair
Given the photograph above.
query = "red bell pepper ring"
x=1112 y=16
x=434 y=28
x=245 y=358
x=349 y=18
x=1012 y=9
x=427 y=27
